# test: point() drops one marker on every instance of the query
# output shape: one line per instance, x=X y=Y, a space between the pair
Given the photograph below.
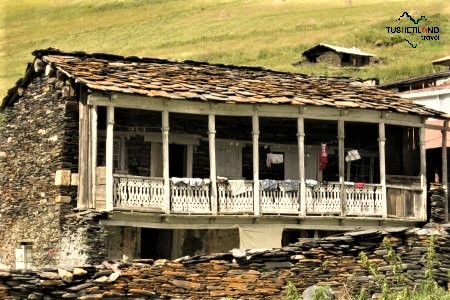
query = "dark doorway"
x=177 y=160
x=156 y=243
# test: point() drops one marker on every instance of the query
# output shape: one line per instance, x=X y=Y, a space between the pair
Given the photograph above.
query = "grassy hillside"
x=269 y=33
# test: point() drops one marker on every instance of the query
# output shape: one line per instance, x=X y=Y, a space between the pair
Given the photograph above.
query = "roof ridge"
x=39 y=53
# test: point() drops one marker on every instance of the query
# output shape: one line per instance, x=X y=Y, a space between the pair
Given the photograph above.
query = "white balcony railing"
x=135 y=192
x=138 y=192
x=238 y=204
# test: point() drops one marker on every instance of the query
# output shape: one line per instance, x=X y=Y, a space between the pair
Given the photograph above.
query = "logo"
x=414 y=31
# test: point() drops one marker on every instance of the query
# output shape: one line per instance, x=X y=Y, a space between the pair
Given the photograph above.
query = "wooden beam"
x=422 y=209
x=444 y=169
x=255 y=143
x=212 y=162
x=165 y=150
x=93 y=112
x=264 y=110
x=109 y=157
x=381 y=147
x=341 y=137
x=301 y=163
x=83 y=152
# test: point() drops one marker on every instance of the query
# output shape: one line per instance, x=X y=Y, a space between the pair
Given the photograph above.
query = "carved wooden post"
x=381 y=146
x=423 y=173
x=341 y=137
x=165 y=150
x=83 y=152
x=255 y=134
x=212 y=162
x=301 y=163
x=93 y=154
x=444 y=168
x=109 y=156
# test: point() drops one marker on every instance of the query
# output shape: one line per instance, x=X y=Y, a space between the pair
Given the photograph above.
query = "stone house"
x=337 y=56
x=104 y=156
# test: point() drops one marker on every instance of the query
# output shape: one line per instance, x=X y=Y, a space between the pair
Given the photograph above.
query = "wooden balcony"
x=147 y=194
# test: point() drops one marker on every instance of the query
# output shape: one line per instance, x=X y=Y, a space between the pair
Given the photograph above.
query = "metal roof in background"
x=339 y=49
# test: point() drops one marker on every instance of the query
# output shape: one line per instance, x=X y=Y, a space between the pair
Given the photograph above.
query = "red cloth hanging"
x=323 y=157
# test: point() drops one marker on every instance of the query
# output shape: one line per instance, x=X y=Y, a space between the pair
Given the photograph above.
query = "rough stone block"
x=63 y=177
x=53 y=138
x=74 y=179
x=62 y=199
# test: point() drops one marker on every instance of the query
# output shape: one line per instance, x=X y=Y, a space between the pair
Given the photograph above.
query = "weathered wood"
x=341 y=136
x=109 y=156
x=165 y=152
x=212 y=162
x=444 y=168
x=301 y=163
x=255 y=136
x=381 y=149
x=93 y=154
x=264 y=110
x=421 y=209
x=83 y=152
x=189 y=160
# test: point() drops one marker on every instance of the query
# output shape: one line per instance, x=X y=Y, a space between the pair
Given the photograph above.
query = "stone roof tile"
x=219 y=83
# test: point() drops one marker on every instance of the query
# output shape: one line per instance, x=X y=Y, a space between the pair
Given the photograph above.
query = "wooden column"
x=381 y=149
x=212 y=162
x=444 y=169
x=93 y=112
x=109 y=156
x=165 y=150
x=423 y=173
x=255 y=142
x=189 y=160
x=301 y=163
x=341 y=136
x=83 y=152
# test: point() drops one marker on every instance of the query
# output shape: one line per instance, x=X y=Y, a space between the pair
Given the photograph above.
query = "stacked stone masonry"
x=251 y=274
x=39 y=136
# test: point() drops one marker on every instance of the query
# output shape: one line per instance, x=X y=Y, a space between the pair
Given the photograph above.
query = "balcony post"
x=212 y=162
x=165 y=150
x=341 y=136
x=301 y=163
x=109 y=156
x=381 y=145
x=255 y=143
x=423 y=174
x=93 y=112
x=444 y=168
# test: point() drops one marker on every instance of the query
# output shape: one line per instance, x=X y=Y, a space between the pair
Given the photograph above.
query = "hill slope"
x=269 y=33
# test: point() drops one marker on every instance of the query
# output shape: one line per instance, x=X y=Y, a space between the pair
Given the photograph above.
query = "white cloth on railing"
x=311 y=182
x=195 y=182
x=237 y=187
x=192 y=182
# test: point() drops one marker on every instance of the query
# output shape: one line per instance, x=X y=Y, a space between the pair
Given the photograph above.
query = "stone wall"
x=252 y=274
x=39 y=136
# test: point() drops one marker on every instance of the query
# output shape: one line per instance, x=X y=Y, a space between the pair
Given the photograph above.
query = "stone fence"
x=251 y=274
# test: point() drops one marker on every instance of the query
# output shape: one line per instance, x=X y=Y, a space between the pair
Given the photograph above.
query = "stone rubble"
x=251 y=274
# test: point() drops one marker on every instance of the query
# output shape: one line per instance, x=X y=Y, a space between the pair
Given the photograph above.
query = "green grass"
x=265 y=33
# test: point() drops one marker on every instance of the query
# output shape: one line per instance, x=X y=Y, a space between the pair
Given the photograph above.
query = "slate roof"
x=199 y=81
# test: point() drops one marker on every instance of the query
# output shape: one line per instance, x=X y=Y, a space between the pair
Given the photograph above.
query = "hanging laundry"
x=289 y=185
x=323 y=157
x=268 y=185
x=352 y=155
x=274 y=159
x=237 y=187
